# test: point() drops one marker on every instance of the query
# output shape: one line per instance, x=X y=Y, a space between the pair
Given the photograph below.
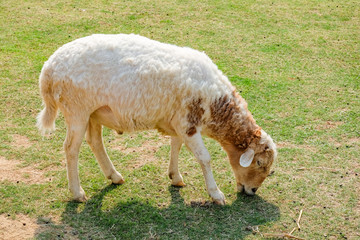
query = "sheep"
x=131 y=83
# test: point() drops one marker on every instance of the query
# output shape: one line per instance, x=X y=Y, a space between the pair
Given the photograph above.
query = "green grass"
x=297 y=63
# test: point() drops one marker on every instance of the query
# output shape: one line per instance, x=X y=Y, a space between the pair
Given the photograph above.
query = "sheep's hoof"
x=116 y=178
x=80 y=199
x=218 y=197
x=220 y=202
x=121 y=181
x=179 y=184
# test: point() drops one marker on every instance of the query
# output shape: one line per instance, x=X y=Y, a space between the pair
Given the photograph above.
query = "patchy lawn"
x=295 y=62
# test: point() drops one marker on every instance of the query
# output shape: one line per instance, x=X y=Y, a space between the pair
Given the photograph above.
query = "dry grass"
x=295 y=62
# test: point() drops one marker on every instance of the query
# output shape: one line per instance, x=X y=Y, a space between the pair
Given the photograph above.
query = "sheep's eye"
x=266 y=148
x=258 y=162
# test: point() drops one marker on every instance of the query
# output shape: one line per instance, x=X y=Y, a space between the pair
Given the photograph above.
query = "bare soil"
x=146 y=152
x=11 y=171
x=20 y=141
x=21 y=227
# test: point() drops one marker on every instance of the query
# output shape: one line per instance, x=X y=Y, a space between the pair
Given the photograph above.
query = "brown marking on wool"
x=194 y=116
x=191 y=131
x=228 y=124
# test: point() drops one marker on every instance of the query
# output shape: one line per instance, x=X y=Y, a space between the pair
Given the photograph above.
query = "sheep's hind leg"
x=174 y=174
x=74 y=135
x=94 y=139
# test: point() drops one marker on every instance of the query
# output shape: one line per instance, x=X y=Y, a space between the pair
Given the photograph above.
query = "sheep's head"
x=252 y=165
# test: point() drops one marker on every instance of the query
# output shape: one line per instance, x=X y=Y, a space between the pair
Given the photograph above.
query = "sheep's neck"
x=231 y=122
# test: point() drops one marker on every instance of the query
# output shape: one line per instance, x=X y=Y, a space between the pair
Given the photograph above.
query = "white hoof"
x=80 y=196
x=116 y=178
x=177 y=180
x=218 y=197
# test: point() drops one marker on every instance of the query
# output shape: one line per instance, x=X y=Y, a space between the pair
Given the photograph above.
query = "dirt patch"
x=281 y=145
x=22 y=227
x=10 y=171
x=6 y=125
x=146 y=152
x=285 y=145
x=354 y=141
x=344 y=142
x=20 y=141
x=334 y=142
x=328 y=125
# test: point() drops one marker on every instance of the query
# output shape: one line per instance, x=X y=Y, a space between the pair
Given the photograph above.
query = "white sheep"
x=131 y=83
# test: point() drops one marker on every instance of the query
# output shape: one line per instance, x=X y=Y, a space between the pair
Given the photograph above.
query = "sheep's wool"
x=143 y=81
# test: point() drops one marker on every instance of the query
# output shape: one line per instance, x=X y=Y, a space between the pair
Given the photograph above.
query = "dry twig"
x=292 y=231
x=298 y=220
x=284 y=235
x=287 y=235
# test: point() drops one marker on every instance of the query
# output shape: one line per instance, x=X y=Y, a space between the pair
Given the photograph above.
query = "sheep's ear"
x=247 y=157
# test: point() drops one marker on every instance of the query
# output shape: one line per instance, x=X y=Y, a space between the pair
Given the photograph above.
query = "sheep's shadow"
x=138 y=220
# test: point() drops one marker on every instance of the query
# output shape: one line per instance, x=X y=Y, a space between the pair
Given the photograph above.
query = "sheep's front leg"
x=174 y=174
x=197 y=147
x=94 y=139
x=74 y=135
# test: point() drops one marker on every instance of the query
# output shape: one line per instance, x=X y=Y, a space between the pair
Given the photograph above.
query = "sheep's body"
x=136 y=77
x=131 y=83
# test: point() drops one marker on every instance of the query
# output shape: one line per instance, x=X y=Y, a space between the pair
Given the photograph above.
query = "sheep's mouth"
x=247 y=190
x=250 y=191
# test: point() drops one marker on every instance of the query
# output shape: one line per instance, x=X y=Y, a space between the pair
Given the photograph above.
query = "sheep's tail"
x=46 y=118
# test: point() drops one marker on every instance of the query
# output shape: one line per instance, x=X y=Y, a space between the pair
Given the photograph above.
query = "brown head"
x=252 y=165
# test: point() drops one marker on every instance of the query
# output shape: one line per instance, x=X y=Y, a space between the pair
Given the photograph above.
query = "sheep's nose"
x=254 y=190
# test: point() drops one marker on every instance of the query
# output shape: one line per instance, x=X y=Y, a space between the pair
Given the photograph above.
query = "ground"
x=296 y=63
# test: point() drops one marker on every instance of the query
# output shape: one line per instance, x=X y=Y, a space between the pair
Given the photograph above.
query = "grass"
x=295 y=62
